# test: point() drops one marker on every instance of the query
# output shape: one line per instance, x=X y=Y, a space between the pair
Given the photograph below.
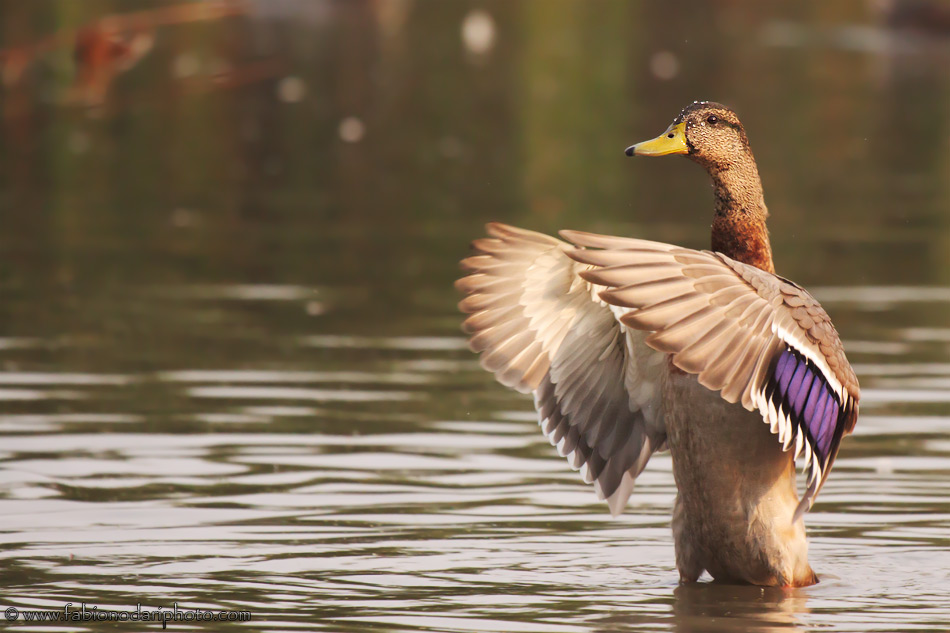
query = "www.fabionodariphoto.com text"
x=85 y=613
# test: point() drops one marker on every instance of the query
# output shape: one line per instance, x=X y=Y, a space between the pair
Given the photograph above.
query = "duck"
x=631 y=347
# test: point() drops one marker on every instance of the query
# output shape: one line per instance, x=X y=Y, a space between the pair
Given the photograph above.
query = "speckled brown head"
x=710 y=134
x=705 y=131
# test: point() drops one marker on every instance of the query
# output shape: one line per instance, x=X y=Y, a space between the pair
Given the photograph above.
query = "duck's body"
x=640 y=346
x=733 y=515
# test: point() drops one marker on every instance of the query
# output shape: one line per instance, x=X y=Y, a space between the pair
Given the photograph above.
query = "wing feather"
x=731 y=324
x=541 y=328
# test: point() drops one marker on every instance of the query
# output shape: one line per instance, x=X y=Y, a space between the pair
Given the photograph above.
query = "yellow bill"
x=673 y=141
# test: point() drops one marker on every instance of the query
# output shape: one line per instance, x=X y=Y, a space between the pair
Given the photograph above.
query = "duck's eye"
x=712 y=119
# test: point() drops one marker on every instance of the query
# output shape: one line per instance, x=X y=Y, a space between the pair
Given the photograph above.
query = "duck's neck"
x=738 y=229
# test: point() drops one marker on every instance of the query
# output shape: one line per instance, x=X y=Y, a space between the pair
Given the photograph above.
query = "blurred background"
x=231 y=371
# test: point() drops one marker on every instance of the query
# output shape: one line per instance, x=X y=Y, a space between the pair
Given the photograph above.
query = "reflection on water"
x=231 y=371
x=714 y=607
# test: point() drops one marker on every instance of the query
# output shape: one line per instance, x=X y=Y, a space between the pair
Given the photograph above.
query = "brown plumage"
x=631 y=346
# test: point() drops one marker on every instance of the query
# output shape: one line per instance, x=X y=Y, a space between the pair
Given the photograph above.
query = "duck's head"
x=707 y=132
x=710 y=134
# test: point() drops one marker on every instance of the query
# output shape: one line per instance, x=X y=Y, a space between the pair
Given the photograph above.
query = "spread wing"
x=755 y=337
x=541 y=328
